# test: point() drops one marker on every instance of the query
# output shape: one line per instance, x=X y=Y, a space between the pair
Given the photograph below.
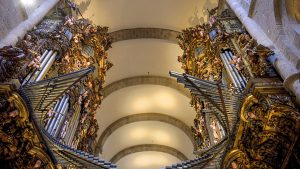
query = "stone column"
x=20 y=30
x=289 y=73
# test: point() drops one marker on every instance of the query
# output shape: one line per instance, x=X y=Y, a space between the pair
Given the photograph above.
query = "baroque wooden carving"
x=14 y=61
x=251 y=57
x=21 y=146
x=268 y=131
x=201 y=47
x=203 y=44
x=87 y=47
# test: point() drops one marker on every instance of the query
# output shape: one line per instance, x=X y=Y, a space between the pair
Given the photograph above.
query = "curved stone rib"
x=141 y=117
x=148 y=147
x=148 y=80
x=145 y=33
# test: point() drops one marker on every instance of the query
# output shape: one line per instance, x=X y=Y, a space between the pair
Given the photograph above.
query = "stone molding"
x=138 y=118
x=148 y=147
x=144 y=80
x=145 y=33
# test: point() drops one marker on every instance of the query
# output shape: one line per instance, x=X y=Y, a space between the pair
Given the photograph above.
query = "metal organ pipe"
x=233 y=70
x=56 y=111
x=227 y=68
x=43 y=62
x=50 y=120
x=53 y=116
x=46 y=68
x=73 y=125
x=238 y=75
x=61 y=116
x=74 y=121
x=58 y=114
x=28 y=77
x=61 y=119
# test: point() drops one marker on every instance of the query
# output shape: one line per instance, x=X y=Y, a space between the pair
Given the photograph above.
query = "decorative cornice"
x=137 y=118
x=148 y=147
x=145 y=33
x=140 y=80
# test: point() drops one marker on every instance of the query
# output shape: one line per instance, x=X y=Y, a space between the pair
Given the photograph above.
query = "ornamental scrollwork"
x=201 y=47
x=88 y=47
x=267 y=133
x=20 y=145
x=251 y=61
x=13 y=62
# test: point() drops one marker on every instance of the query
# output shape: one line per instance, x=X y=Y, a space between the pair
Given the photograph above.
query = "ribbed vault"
x=139 y=80
x=144 y=51
x=138 y=118
x=148 y=147
x=145 y=33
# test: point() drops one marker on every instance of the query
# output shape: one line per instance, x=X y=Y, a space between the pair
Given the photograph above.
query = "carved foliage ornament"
x=88 y=47
x=20 y=145
x=13 y=61
x=267 y=133
x=201 y=47
x=251 y=60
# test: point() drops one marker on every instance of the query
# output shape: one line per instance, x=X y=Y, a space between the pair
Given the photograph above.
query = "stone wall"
x=284 y=31
x=16 y=12
x=276 y=24
x=11 y=14
x=30 y=7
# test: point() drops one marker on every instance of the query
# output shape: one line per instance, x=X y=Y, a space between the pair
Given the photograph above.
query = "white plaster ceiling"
x=147 y=160
x=124 y=14
x=142 y=57
x=144 y=99
x=149 y=132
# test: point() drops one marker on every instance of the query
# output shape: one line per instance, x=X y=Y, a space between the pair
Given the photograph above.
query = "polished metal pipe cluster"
x=60 y=110
x=73 y=125
x=74 y=122
x=46 y=60
x=236 y=77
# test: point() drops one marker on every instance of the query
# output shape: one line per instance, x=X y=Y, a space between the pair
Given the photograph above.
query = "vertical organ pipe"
x=244 y=81
x=61 y=116
x=29 y=76
x=56 y=111
x=238 y=74
x=49 y=121
x=71 y=126
x=233 y=71
x=61 y=120
x=53 y=115
x=43 y=62
x=47 y=67
x=228 y=70
x=74 y=125
x=58 y=114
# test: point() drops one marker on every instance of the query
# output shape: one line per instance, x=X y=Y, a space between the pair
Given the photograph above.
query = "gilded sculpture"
x=202 y=46
x=268 y=130
x=87 y=47
x=20 y=145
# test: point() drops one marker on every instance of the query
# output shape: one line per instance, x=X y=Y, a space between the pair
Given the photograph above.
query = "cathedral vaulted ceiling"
x=145 y=116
